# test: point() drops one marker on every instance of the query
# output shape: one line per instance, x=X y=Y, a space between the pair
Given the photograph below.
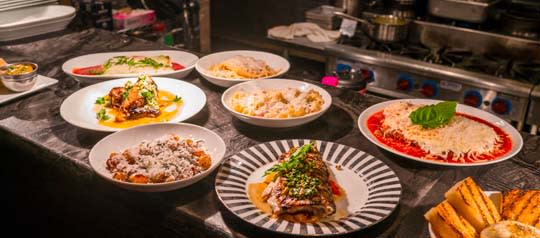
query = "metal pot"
x=382 y=28
x=520 y=25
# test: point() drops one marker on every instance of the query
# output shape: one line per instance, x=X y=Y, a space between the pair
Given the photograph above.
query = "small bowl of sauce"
x=19 y=77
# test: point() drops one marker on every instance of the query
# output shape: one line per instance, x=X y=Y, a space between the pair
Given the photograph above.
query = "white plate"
x=186 y=59
x=372 y=189
x=517 y=140
x=77 y=109
x=34 y=15
x=38 y=20
x=495 y=196
x=25 y=5
x=203 y=65
x=122 y=140
x=255 y=85
x=41 y=82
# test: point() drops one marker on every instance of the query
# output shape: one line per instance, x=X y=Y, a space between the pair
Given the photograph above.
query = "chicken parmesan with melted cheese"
x=461 y=138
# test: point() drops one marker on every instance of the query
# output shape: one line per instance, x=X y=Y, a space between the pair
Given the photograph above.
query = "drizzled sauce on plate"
x=168 y=110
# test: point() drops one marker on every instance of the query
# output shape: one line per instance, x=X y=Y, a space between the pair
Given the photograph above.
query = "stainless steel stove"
x=444 y=70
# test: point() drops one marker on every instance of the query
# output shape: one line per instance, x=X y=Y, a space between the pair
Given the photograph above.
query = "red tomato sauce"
x=375 y=121
x=98 y=69
x=177 y=66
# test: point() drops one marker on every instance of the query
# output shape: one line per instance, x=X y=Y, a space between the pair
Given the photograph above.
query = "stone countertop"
x=34 y=122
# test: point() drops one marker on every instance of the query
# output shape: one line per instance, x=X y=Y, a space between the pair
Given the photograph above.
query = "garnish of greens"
x=298 y=173
x=100 y=100
x=177 y=98
x=120 y=60
x=102 y=115
x=433 y=116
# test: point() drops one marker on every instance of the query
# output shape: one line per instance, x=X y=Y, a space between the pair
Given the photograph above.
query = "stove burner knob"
x=473 y=98
x=405 y=83
x=501 y=106
x=368 y=75
x=429 y=89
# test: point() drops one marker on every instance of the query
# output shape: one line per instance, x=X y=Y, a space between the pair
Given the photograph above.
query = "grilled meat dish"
x=300 y=189
x=135 y=100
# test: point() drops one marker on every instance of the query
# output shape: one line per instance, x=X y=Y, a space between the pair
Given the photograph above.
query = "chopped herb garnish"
x=100 y=100
x=150 y=62
x=298 y=173
x=102 y=115
x=433 y=116
x=177 y=98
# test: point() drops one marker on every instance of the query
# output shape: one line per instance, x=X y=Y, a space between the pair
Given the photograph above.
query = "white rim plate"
x=186 y=59
x=517 y=140
x=254 y=85
x=122 y=140
x=372 y=188
x=77 y=109
x=275 y=61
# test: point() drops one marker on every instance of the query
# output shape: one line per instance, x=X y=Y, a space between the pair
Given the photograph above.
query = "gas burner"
x=447 y=56
x=528 y=71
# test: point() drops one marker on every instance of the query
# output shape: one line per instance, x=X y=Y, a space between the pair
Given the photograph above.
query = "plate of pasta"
x=276 y=103
x=231 y=67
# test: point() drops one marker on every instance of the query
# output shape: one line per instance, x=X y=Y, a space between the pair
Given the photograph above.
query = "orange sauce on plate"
x=168 y=110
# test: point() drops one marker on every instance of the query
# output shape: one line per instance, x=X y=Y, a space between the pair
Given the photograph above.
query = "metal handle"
x=347 y=16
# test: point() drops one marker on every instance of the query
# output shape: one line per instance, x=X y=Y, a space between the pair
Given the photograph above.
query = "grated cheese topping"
x=461 y=136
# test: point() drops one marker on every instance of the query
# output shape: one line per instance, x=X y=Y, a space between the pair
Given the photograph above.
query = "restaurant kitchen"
x=197 y=118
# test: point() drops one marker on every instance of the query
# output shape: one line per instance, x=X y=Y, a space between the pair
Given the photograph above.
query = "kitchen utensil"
x=382 y=28
x=475 y=11
x=19 y=82
x=520 y=25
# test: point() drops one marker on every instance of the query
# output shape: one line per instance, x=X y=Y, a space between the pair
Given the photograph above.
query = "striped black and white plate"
x=372 y=189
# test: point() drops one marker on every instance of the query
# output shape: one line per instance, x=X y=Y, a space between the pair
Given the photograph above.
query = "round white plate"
x=77 y=109
x=186 y=59
x=517 y=140
x=372 y=189
x=203 y=65
x=255 y=85
x=119 y=141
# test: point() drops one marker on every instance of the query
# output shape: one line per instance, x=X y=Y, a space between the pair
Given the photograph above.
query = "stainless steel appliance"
x=466 y=10
x=426 y=68
x=533 y=117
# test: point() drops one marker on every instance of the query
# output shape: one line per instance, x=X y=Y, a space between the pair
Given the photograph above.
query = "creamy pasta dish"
x=242 y=67
x=281 y=103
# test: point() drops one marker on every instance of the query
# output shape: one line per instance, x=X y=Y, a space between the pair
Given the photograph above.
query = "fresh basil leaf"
x=433 y=116
x=177 y=98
